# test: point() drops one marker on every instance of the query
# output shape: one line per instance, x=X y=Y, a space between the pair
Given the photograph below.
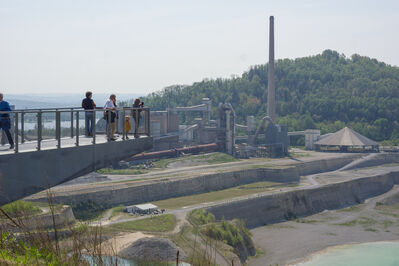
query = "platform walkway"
x=48 y=144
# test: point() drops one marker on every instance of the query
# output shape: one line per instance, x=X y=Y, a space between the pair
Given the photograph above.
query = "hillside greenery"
x=326 y=91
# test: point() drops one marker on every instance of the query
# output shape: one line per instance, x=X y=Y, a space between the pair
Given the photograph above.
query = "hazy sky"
x=142 y=46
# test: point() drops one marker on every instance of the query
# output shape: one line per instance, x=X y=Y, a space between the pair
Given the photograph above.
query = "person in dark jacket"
x=137 y=105
x=5 y=122
x=89 y=105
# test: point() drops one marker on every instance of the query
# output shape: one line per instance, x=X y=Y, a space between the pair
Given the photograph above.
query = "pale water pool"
x=366 y=254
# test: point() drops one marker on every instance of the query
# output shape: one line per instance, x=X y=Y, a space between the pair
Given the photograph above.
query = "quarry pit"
x=263 y=192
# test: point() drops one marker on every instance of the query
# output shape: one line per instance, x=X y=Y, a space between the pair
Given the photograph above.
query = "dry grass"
x=242 y=190
x=159 y=223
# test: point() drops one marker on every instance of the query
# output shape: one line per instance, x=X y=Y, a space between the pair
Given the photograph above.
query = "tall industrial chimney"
x=271 y=94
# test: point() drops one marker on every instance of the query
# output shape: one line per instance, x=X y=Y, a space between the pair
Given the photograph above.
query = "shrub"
x=20 y=208
x=200 y=217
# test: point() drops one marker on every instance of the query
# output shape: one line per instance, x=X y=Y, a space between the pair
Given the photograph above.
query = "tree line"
x=327 y=91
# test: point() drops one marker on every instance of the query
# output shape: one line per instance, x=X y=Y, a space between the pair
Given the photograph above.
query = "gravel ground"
x=291 y=241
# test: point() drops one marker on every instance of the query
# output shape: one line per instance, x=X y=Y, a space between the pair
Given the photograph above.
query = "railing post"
x=136 y=118
x=39 y=130
x=71 y=123
x=124 y=126
x=117 y=121
x=58 y=128
x=77 y=128
x=16 y=132
x=93 y=129
x=22 y=127
x=109 y=118
x=148 y=122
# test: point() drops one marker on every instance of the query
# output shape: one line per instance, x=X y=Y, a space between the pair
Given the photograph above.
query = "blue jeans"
x=89 y=121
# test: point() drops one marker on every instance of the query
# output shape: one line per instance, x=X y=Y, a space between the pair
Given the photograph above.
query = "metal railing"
x=67 y=124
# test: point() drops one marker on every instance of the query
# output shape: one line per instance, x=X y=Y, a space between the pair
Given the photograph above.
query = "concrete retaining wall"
x=201 y=184
x=26 y=173
x=62 y=218
x=177 y=188
x=326 y=165
x=279 y=207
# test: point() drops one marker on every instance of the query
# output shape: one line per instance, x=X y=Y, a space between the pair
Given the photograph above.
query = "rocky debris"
x=391 y=200
x=89 y=178
x=151 y=249
x=133 y=165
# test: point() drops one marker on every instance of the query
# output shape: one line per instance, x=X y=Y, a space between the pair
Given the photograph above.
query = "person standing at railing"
x=5 y=122
x=89 y=106
x=137 y=105
x=110 y=116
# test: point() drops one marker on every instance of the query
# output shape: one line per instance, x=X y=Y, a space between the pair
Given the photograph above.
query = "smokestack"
x=271 y=94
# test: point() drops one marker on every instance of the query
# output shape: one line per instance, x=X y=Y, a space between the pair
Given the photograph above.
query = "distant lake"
x=367 y=254
x=51 y=124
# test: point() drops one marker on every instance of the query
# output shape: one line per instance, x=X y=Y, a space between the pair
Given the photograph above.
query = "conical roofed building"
x=347 y=139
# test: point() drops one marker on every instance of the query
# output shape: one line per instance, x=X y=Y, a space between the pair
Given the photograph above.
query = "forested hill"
x=326 y=91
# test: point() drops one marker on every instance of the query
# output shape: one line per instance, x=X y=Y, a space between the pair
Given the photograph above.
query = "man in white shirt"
x=110 y=116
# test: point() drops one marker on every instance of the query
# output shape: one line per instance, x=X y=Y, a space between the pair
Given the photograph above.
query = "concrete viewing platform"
x=33 y=166
x=30 y=171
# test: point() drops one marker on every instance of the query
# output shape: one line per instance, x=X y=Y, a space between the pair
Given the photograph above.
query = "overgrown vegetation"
x=62 y=244
x=327 y=91
x=13 y=252
x=20 y=208
x=189 y=240
x=233 y=233
x=228 y=232
x=200 y=217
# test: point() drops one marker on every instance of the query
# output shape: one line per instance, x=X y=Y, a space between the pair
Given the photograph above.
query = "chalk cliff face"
x=246 y=248
x=284 y=206
x=134 y=194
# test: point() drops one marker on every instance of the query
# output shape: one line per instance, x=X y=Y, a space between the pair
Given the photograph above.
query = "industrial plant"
x=207 y=189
